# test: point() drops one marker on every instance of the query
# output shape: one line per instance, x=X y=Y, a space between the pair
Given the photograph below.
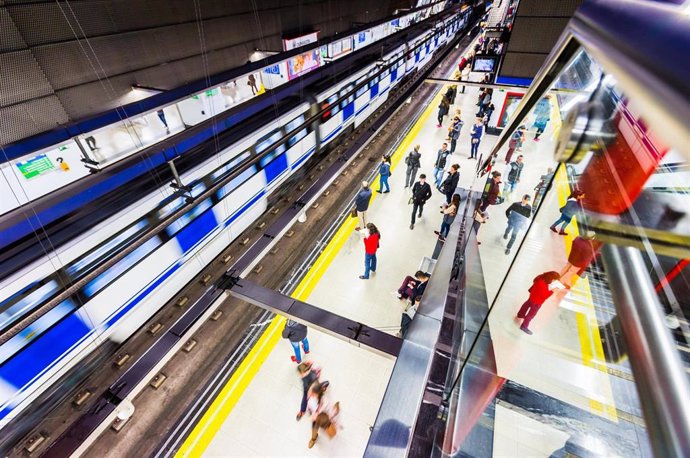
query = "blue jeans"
x=369 y=264
x=384 y=182
x=515 y=230
x=445 y=227
x=295 y=347
x=563 y=219
x=474 y=149
x=438 y=176
x=509 y=187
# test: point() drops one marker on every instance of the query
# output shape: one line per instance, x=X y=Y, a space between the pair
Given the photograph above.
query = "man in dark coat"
x=451 y=182
x=421 y=191
x=362 y=204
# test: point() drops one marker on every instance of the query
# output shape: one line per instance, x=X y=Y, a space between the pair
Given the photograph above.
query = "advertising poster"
x=511 y=103
x=303 y=63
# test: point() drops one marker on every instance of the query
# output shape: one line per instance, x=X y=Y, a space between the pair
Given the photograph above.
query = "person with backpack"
x=449 y=213
x=440 y=164
x=372 y=237
x=518 y=216
x=362 y=204
x=454 y=133
x=541 y=289
x=296 y=333
x=385 y=171
x=515 y=170
x=572 y=207
x=451 y=182
x=413 y=163
x=421 y=192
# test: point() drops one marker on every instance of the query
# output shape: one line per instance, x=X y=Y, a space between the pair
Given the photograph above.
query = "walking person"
x=518 y=216
x=443 y=108
x=476 y=137
x=323 y=414
x=492 y=191
x=582 y=251
x=514 y=172
x=454 y=133
x=440 y=164
x=421 y=192
x=413 y=163
x=451 y=182
x=542 y=288
x=296 y=333
x=385 y=171
x=515 y=142
x=372 y=237
x=362 y=204
x=449 y=213
x=309 y=373
x=572 y=206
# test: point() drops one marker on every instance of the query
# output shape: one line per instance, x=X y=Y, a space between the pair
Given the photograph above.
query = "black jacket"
x=515 y=171
x=294 y=331
x=450 y=183
x=441 y=158
x=412 y=160
x=421 y=192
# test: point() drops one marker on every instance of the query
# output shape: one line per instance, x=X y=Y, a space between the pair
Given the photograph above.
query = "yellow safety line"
x=591 y=347
x=202 y=434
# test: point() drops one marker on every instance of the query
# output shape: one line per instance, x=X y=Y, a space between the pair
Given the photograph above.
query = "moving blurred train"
x=230 y=191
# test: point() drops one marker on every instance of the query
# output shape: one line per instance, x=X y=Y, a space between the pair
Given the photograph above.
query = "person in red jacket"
x=542 y=289
x=372 y=236
x=582 y=252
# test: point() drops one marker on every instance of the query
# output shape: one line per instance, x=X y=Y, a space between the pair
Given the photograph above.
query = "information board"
x=35 y=166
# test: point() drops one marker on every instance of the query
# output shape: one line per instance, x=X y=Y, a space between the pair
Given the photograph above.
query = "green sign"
x=35 y=166
x=211 y=93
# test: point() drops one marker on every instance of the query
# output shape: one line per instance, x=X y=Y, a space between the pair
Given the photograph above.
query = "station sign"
x=292 y=43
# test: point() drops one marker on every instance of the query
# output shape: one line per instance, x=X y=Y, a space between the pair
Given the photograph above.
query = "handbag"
x=330 y=430
x=353 y=212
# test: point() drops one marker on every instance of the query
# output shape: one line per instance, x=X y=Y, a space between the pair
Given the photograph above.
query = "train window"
x=348 y=98
x=298 y=135
x=19 y=304
x=267 y=141
x=121 y=267
x=237 y=181
x=280 y=149
x=362 y=89
x=385 y=73
x=229 y=166
x=104 y=251
x=331 y=108
x=373 y=81
x=21 y=340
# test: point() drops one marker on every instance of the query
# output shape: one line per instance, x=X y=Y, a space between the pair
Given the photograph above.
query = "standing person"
x=296 y=333
x=480 y=217
x=251 y=82
x=443 y=108
x=362 y=204
x=421 y=192
x=372 y=237
x=515 y=142
x=572 y=206
x=454 y=133
x=476 y=137
x=583 y=249
x=451 y=182
x=385 y=171
x=514 y=172
x=518 y=215
x=440 y=164
x=542 y=114
x=413 y=163
x=492 y=191
x=488 y=114
x=485 y=101
x=309 y=373
x=542 y=289
x=449 y=213
x=450 y=94
x=161 y=116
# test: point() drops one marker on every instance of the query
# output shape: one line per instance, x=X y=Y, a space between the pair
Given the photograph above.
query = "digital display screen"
x=485 y=64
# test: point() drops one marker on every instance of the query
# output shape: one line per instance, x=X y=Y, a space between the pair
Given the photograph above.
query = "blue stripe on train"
x=196 y=230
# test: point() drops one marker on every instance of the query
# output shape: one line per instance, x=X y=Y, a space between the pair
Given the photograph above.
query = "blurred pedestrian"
x=309 y=373
x=421 y=192
x=515 y=143
x=323 y=413
x=582 y=251
x=413 y=163
x=385 y=171
x=492 y=191
x=296 y=333
x=541 y=289
x=476 y=137
x=572 y=207
x=518 y=216
x=443 y=108
x=514 y=172
x=372 y=238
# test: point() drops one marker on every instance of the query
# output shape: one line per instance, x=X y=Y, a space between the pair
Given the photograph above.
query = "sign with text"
x=35 y=166
x=292 y=43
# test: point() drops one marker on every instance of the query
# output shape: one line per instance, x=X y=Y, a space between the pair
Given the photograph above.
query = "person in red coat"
x=582 y=252
x=372 y=237
x=542 y=289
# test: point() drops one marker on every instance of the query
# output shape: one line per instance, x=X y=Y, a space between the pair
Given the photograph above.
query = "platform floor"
x=562 y=358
